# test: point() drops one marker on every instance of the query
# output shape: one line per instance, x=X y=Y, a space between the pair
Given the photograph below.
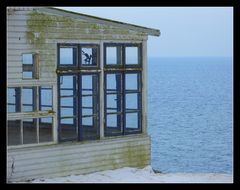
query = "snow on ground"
x=134 y=175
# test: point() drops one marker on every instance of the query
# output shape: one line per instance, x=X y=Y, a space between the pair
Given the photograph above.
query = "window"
x=13 y=99
x=123 y=105
x=29 y=131
x=30 y=66
x=122 y=55
x=77 y=56
x=45 y=98
x=78 y=94
x=29 y=99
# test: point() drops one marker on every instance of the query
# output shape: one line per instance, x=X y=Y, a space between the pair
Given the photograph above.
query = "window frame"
x=34 y=67
x=122 y=58
x=77 y=56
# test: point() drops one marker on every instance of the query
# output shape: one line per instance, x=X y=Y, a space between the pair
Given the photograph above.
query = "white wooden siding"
x=78 y=158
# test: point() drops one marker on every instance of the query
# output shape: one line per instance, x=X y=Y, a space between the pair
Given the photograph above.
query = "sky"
x=185 y=31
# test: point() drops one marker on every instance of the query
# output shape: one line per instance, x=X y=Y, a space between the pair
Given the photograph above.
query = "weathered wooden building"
x=76 y=93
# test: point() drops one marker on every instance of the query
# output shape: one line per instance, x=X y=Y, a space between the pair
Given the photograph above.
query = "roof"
x=149 y=31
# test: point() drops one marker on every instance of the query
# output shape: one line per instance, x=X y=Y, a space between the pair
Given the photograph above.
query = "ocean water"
x=190 y=114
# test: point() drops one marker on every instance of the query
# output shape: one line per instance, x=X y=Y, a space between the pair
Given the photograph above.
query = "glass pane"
x=89 y=56
x=87 y=101
x=27 y=75
x=132 y=120
x=68 y=128
x=29 y=131
x=27 y=99
x=27 y=58
x=14 y=132
x=131 y=81
x=114 y=82
x=11 y=100
x=87 y=81
x=111 y=103
x=132 y=101
x=67 y=82
x=131 y=55
x=65 y=112
x=87 y=121
x=45 y=130
x=111 y=55
x=67 y=56
x=112 y=120
x=86 y=111
x=45 y=98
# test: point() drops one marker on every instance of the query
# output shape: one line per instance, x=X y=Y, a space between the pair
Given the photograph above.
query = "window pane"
x=131 y=82
x=89 y=56
x=45 y=130
x=11 y=100
x=112 y=120
x=87 y=121
x=67 y=56
x=114 y=82
x=87 y=101
x=29 y=131
x=87 y=111
x=132 y=101
x=27 y=59
x=65 y=112
x=45 y=98
x=27 y=99
x=111 y=55
x=14 y=132
x=87 y=82
x=68 y=128
x=67 y=82
x=132 y=120
x=27 y=75
x=131 y=55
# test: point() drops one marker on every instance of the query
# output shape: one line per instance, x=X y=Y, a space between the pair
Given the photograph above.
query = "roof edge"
x=149 y=31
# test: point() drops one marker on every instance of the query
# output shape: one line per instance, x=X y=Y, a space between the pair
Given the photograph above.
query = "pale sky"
x=185 y=31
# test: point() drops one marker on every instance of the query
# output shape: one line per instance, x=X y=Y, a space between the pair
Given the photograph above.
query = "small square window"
x=113 y=55
x=30 y=66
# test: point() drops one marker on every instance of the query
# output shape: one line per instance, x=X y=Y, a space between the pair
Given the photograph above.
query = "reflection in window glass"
x=132 y=120
x=27 y=74
x=132 y=101
x=87 y=121
x=112 y=120
x=45 y=102
x=11 y=100
x=89 y=56
x=29 y=131
x=27 y=99
x=131 y=81
x=131 y=54
x=45 y=130
x=14 y=132
x=27 y=58
x=111 y=55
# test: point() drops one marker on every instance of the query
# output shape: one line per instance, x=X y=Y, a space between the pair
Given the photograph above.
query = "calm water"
x=190 y=114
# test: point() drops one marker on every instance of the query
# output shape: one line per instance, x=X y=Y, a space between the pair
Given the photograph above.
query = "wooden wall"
x=78 y=158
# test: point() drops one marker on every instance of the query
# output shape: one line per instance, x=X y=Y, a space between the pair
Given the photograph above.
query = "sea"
x=190 y=114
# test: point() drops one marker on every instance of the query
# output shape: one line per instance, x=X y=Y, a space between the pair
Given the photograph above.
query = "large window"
x=29 y=130
x=122 y=84
x=78 y=90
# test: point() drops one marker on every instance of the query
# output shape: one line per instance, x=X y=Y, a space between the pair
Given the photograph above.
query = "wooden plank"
x=65 y=150
x=77 y=154
x=71 y=146
x=92 y=159
x=77 y=171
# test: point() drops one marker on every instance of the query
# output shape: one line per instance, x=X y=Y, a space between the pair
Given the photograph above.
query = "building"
x=76 y=93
